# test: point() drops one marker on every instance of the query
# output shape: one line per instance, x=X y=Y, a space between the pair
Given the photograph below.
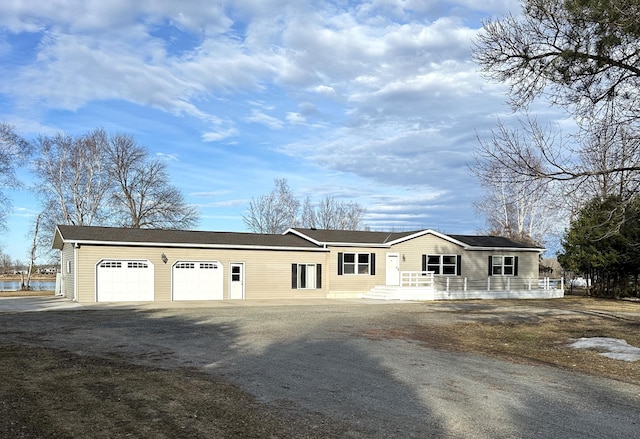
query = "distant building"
x=47 y=269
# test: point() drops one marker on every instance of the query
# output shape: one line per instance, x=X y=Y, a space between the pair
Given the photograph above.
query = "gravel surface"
x=310 y=360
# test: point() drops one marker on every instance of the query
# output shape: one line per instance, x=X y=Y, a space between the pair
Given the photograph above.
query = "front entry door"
x=393 y=269
x=236 y=282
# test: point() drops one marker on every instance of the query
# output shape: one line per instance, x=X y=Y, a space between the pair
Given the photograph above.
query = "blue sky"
x=375 y=102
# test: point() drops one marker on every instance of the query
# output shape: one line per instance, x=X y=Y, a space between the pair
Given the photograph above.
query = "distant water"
x=35 y=285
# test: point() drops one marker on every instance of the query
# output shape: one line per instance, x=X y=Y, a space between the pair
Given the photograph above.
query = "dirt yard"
x=149 y=372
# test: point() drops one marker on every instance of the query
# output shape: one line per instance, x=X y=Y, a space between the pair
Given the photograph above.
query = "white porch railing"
x=417 y=279
x=423 y=285
x=497 y=284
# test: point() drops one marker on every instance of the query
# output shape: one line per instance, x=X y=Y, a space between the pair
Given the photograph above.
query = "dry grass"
x=47 y=393
x=543 y=338
x=25 y=293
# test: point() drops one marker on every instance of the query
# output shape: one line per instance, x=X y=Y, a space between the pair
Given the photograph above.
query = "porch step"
x=391 y=292
x=382 y=292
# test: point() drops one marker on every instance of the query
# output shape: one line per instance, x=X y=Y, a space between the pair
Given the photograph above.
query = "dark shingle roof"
x=187 y=238
x=353 y=236
x=489 y=241
x=380 y=238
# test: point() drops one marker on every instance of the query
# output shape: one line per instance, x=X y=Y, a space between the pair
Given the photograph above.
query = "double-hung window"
x=442 y=264
x=356 y=263
x=306 y=276
x=503 y=265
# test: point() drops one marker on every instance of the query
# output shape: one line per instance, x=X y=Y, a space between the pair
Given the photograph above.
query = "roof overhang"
x=389 y=244
x=59 y=241
x=194 y=246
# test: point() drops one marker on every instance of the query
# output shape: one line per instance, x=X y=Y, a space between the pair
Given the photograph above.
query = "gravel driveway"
x=312 y=359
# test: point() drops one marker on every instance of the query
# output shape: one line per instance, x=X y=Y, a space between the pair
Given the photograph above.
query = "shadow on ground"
x=309 y=366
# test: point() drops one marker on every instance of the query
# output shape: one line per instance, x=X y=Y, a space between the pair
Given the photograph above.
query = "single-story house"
x=105 y=264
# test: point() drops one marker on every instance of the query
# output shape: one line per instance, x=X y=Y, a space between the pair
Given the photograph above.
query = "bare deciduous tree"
x=277 y=211
x=5 y=262
x=605 y=158
x=13 y=149
x=339 y=215
x=516 y=204
x=274 y=212
x=582 y=55
x=308 y=217
x=33 y=253
x=142 y=196
x=98 y=179
x=73 y=178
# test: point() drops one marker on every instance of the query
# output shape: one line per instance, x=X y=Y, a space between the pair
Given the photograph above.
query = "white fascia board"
x=464 y=245
x=203 y=246
x=356 y=244
x=510 y=249
x=430 y=232
x=335 y=244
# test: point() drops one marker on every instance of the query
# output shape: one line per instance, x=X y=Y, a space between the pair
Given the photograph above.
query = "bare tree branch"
x=13 y=150
x=142 y=196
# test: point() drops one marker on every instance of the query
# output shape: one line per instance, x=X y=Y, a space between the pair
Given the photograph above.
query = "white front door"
x=393 y=269
x=236 y=282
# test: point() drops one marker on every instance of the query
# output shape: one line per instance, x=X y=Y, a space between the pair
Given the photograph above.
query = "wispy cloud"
x=261 y=118
x=376 y=102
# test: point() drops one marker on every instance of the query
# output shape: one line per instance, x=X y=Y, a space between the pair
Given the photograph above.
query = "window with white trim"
x=503 y=265
x=442 y=264
x=356 y=263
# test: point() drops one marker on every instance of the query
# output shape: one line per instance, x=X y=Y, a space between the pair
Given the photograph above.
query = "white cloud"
x=324 y=90
x=167 y=157
x=295 y=118
x=259 y=117
x=98 y=15
x=381 y=92
x=215 y=136
x=210 y=194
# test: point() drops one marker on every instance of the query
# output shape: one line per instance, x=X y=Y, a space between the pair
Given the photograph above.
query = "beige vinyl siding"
x=350 y=285
x=413 y=249
x=474 y=263
x=267 y=272
x=68 y=281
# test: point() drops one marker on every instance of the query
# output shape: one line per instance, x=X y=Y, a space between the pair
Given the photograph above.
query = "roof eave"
x=429 y=232
x=357 y=244
x=519 y=249
x=186 y=245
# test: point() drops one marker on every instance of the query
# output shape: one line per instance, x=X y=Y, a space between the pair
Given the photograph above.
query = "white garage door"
x=124 y=281
x=197 y=280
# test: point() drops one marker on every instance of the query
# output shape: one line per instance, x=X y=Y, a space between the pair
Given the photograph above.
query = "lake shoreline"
x=35 y=277
x=41 y=285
